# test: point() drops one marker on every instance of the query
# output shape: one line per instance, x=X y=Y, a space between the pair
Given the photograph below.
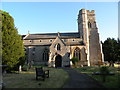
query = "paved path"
x=80 y=80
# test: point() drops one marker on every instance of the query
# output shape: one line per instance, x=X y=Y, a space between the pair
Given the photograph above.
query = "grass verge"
x=27 y=79
x=111 y=81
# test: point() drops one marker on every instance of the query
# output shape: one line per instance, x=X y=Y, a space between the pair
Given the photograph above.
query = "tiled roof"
x=23 y=36
x=52 y=36
x=49 y=43
x=74 y=43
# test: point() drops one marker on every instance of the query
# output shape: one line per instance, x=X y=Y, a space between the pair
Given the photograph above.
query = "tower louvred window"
x=89 y=25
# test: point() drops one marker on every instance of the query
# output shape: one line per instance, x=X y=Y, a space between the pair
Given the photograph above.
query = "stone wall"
x=35 y=54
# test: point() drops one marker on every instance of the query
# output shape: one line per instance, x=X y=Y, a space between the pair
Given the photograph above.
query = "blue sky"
x=48 y=17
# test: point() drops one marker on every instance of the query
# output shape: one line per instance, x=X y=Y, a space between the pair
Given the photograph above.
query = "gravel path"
x=80 y=80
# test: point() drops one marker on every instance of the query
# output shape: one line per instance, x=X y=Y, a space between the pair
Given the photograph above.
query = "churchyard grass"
x=27 y=79
x=112 y=81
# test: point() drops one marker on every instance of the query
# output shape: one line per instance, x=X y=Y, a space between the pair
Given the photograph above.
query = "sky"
x=119 y=20
x=49 y=17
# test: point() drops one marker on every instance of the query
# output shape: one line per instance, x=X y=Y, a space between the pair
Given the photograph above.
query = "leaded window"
x=77 y=53
x=58 y=46
x=45 y=55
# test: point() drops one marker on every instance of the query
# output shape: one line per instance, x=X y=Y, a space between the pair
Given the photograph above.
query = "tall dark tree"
x=12 y=44
x=118 y=50
x=110 y=49
x=0 y=39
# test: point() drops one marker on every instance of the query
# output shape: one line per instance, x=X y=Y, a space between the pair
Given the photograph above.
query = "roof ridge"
x=53 y=33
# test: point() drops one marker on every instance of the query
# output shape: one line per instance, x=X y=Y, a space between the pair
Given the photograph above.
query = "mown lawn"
x=111 y=81
x=27 y=79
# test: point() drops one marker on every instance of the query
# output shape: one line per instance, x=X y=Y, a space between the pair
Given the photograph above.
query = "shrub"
x=75 y=60
x=104 y=70
x=25 y=68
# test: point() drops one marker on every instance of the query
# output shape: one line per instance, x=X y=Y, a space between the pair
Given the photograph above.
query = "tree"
x=12 y=44
x=0 y=40
x=118 y=49
x=110 y=50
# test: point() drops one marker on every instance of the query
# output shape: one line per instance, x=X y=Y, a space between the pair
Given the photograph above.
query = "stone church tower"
x=56 y=49
x=88 y=31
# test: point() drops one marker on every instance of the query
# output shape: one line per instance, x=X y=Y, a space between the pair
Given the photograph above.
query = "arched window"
x=46 y=55
x=94 y=24
x=58 y=46
x=77 y=53
x=89 y=25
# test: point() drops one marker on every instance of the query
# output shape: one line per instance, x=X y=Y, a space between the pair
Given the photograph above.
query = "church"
x=57 y=49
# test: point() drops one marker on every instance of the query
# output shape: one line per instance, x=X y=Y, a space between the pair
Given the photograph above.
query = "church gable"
x=58 y=45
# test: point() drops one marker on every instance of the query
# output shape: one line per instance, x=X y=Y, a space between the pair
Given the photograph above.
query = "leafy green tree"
x=110 y=49
x=12 y=44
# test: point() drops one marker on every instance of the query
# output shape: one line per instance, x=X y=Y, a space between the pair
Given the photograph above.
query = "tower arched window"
x=77 y=53
x=58 y=46
x=89 y=25
x=94 y=24
x=45 y=55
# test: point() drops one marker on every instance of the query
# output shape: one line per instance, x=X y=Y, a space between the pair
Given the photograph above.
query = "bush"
x=75 y=60
x=104 y=70
x=25 y=68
